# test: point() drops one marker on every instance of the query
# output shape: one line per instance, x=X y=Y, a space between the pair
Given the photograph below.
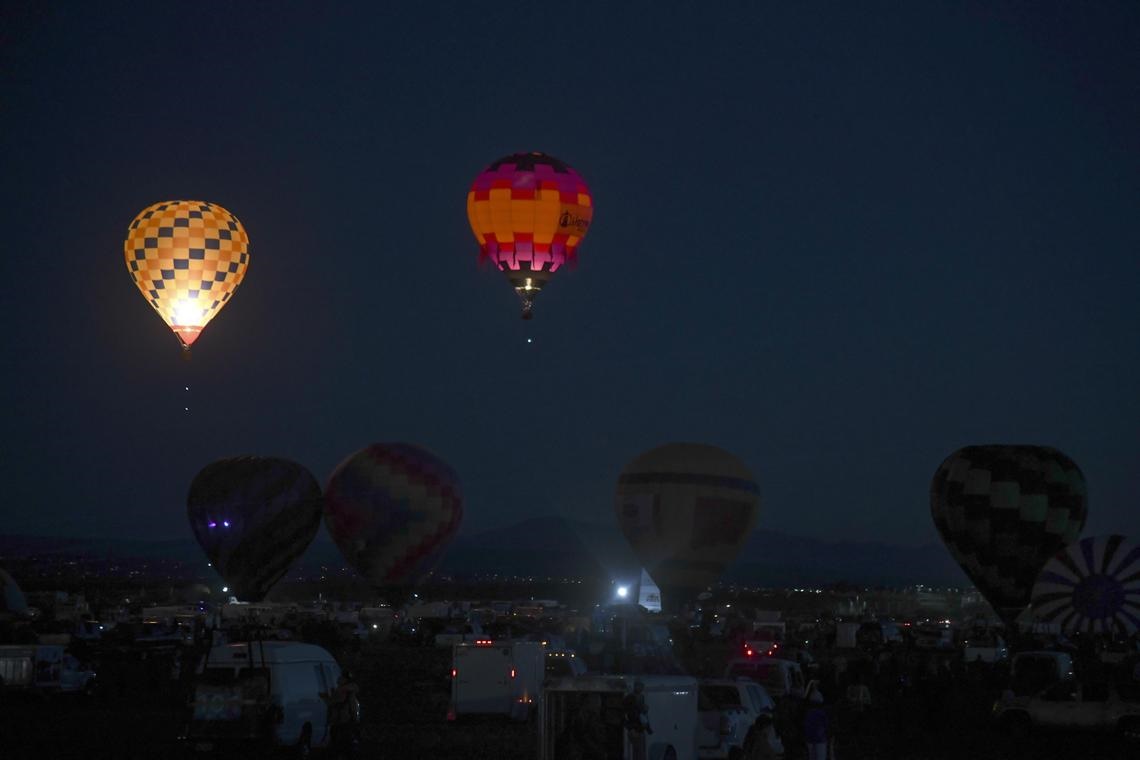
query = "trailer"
x=672 y=714
x=496 y=678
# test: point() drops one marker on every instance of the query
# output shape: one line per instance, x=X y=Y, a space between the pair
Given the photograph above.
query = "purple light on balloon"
x=212 y=524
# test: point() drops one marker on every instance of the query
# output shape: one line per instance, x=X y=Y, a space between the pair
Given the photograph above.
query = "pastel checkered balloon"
x=392 y=509
x=187 y=258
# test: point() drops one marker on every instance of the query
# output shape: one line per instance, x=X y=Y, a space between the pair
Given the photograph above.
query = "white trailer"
x=496 y=678
x=672 y=712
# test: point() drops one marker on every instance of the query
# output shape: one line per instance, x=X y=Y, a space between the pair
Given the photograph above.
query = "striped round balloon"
x=392 y=509
x=1003 y=511
x=686 y=509
x=254 y=517
x=1093 y=586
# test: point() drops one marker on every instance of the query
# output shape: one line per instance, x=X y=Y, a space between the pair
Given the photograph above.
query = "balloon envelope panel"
x=12 y=600
x=1003 y=511
x=529 y=212
x=1092 y=586
x=187 y=258
x=392 y=509
x=686 y=509
x=254 y=517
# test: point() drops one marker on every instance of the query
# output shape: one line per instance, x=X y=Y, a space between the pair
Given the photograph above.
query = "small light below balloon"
x=225 y=589
x=212 y=524
x=225 y=523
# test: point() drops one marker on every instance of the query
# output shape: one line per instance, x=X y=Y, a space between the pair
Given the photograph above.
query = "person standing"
x=816 y=728
x=343 y=708
x=637 y=721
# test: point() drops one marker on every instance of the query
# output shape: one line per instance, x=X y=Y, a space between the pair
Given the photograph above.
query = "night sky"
x=840 y=240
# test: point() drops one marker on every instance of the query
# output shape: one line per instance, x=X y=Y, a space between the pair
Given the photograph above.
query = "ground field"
x=404 y=693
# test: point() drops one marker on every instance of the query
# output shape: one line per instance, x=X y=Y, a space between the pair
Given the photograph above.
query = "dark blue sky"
x=840 y=240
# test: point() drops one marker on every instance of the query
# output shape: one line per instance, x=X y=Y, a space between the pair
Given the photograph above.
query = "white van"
x=495 y=678
x=261 y=692
x=672 y=712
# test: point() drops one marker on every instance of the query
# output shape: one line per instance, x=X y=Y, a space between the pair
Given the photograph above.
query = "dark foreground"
x=404 y=692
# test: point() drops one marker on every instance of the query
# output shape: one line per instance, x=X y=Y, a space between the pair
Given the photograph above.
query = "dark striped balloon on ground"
x=392 y=509
x=1092 y=586
x=1003 y=511
x=686 y=509
x=254 y=516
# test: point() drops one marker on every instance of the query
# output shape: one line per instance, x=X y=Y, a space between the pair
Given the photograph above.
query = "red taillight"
x=451 y=713
x=454 y=672
x=747 y=652
x=512 y=672
x=484 y=642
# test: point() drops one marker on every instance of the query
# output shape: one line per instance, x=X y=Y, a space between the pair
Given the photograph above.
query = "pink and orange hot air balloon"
x=529 y=213
x=187 y=258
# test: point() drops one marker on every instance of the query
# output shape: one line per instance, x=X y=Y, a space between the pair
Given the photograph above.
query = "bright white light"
x=225 y=589
x=530 y=340
x=375 y=626
x=187 y=313
x=623 y=592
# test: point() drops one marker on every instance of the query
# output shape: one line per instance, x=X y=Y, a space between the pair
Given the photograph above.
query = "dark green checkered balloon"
x=1003 y=511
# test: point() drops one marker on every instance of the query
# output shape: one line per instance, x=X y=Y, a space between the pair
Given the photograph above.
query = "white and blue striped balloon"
x=1093 y=586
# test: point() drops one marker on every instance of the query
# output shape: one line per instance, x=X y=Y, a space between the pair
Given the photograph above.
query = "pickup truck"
x=1070 y=705
x=728 y=710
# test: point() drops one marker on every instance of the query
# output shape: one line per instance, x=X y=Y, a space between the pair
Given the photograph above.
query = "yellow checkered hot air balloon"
x=187 y=258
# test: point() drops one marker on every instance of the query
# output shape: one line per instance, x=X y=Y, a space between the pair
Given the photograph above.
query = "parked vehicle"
x=845 y=634
x=778 y=677
x=44 y=668
x=672 y=710
x=260 y=694
x=984 y=646
x=459 y=633
x=1071 y=705
x=729 y=709
x=933 y=637
x=1031 y=672
x=496 y=678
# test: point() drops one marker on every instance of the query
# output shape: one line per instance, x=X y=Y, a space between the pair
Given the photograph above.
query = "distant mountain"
x=557 y=547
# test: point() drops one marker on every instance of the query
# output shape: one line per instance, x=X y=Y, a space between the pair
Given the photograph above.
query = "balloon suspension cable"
x=527 y=297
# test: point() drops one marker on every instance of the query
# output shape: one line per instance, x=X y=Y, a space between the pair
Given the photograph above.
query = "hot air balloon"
x=686 y=509
x=1092 y=586
x=529 y=213
x=1003 y=511
x=254 y=516
x=187 y=258
x=392 y=509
